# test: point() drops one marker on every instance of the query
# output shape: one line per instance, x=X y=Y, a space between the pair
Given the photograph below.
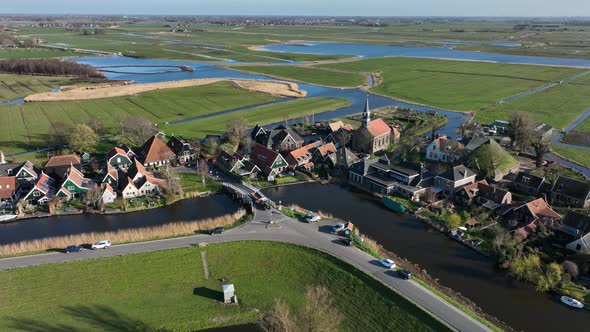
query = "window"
x=70 y=187
x=118 y=159
x=578 y=246
x=7 y=186
x=36 y=194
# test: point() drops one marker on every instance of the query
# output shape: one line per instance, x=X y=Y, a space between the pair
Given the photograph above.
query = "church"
x=373 y=135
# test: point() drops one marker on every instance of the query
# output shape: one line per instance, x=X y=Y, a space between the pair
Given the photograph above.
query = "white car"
x=313 y=218
x=103 y=244
x=337 y=228
x=388 y=263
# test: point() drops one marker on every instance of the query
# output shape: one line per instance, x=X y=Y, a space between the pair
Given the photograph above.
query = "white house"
x=108 y=195
x=128 y=189
x=444 y=149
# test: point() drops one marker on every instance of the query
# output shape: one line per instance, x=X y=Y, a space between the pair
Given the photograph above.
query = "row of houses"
x=124 y=175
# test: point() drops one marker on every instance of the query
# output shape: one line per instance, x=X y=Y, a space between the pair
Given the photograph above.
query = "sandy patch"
x=109 y=90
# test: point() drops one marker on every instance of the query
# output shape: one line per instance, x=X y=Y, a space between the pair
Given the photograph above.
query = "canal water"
x=455 y=265
x=185 y=210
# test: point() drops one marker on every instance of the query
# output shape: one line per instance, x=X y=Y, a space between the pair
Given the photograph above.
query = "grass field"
x=454 y=85
x=31 y=125
x=580 y=156
x=34 y=53
x=166 y=290
x=309 y=75
x=558 y=106
x=264 y=115
x=19 y=86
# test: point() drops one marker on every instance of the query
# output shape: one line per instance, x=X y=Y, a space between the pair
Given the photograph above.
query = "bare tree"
x=541 y=146
x=202 y=169
x=237 y=128
x=173 y=184
x=520 y=129
x=212 y=146
x=93 y=196
x=319 y=313
x=95 y=124
x=137 y=129
x=279 y=319
x=571 y=268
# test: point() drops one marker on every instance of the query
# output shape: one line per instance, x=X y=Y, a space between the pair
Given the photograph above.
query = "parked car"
x=405 y=274
x=388 y=263
x=73 y=248
x=102 y=244
x=337 y=228
x=347 y=241
x=217 y=230
x=313 y=219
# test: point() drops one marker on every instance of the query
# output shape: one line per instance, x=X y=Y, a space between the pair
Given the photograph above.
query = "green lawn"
x=264 y=115
x=309 y=75
x=580 y=156
x=478 y=86
x=19 y=86
x=166 y=290
x=31 y=125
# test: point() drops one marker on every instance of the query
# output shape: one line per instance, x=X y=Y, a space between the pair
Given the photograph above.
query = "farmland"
x=580 y=156
x=167 y=290
x=18 y=86
x=264 y=115
x=308 y=74
x=29 y=126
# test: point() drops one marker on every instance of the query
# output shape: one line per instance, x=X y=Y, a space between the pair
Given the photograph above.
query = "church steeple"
x=366 y=114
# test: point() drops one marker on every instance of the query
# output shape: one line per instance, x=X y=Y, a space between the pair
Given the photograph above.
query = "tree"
x=541 y=146
x=82 y=138
x=173 y=186
x=571 y=268
x=520 y=129
x=454 y=221
x=202 y=169
x=93 y=196
x=279 y=319
x=137 y=129
x=551 y=278
x=527 y=268
x=319 y=313
x=95 y=124
x=212 y=146
x=237 y=128
x=60 y=136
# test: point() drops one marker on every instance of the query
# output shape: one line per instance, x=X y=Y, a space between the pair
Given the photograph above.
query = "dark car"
x=405 y=274
x=73 y=248
x=217 y=230
x=347 y=242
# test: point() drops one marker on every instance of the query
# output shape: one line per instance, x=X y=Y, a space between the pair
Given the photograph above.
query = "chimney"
x=2 y=159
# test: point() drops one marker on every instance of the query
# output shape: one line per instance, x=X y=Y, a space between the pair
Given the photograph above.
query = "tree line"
x=48 y=67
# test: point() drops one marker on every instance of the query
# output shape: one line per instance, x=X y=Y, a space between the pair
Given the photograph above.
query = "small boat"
x=7 y=217
x=393 y=205
x=572 y=302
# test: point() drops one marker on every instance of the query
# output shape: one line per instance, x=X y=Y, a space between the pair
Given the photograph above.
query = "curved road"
x=283 y=230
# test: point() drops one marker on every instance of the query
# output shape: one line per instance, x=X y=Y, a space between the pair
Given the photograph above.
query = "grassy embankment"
x=262 y=115
x=476 y=86
x=31 y=125
x=19 y=86
x=35 y=53
x=167 y=290
x=308 y=74
x=580 y=156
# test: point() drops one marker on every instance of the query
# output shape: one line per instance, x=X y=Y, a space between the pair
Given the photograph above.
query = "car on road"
x=217 y=230
x=73 y=248
x=404 y=274
x=337 y=228
x=388 y=263
x=102 y=244
x=347 y=241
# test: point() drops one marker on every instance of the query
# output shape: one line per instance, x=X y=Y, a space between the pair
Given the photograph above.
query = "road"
x=284 y=230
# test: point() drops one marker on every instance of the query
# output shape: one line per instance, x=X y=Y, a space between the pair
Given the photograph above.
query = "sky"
x=303 y=7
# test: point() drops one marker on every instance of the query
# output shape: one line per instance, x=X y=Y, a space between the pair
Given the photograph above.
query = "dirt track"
x=109 y=90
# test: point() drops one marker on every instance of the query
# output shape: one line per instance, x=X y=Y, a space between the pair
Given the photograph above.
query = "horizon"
x=305 y=8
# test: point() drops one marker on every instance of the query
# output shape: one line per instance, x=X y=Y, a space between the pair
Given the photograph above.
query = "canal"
x=455 y=265
x=185 y=210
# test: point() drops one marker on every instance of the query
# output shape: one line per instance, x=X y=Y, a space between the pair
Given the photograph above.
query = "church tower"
x=366 y=115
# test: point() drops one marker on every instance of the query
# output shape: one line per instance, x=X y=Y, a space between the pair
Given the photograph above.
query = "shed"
x=229 y=294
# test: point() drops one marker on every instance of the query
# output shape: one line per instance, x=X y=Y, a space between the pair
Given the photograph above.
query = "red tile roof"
x=334 y=126
x=378 y=127
x=115 y=151
x=155 y=150
x=45 y=183
x=63 y=160
x=263 y=157
x=529 y=229
x=326 y=149
x=540 y=209
x=110 y=189
x=7 y=186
